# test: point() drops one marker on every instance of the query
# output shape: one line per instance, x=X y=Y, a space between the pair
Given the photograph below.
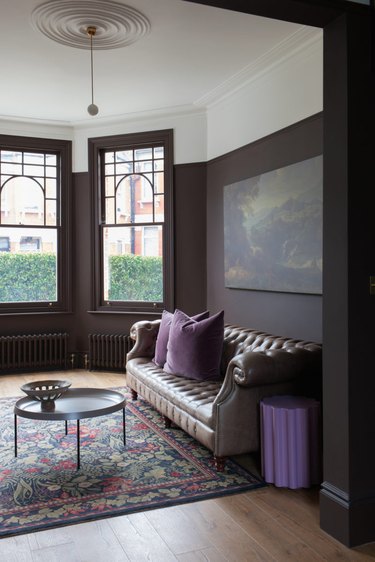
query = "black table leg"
x=66 y=427
x=78 y=448
x=15 y=435
x=123 y=424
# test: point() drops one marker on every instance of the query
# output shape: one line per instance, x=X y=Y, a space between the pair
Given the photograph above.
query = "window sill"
x=125 y=312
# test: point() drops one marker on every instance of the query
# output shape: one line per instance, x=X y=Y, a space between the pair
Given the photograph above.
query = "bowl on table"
x=46 y=391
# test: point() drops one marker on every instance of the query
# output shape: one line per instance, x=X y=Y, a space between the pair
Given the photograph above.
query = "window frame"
x=96 y=147
x=63 y=150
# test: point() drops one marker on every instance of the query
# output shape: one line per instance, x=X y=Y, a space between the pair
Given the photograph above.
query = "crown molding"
x=148 y=115
x=298 y=43
x=26 y=125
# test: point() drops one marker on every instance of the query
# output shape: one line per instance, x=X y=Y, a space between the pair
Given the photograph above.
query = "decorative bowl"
x=46 y=391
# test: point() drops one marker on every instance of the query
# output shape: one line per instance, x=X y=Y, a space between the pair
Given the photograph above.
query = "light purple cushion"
x=163 y=335
x=195 y=347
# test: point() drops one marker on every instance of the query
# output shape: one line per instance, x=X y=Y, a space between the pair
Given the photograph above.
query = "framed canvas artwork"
x=273 y=230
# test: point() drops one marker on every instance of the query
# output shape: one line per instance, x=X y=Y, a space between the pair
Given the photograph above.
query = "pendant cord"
x=92 y=70
x=92 y=108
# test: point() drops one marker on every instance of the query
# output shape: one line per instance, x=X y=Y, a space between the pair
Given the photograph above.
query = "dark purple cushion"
x=163 y=335
x=195 y=347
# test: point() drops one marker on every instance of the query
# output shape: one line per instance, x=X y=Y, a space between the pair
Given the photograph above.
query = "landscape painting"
x=273 y=230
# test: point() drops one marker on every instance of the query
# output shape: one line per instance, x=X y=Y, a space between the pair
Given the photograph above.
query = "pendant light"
x=92 y=108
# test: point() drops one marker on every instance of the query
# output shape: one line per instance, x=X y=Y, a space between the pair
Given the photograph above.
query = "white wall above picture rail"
x=282 y=88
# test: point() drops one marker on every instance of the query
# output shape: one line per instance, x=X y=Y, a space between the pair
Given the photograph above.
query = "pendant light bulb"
x=92 y=108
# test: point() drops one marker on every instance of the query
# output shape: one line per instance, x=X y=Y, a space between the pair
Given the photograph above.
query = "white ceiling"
x=191 y=52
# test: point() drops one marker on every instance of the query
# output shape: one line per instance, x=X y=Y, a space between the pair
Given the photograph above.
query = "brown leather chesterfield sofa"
x=224 y=415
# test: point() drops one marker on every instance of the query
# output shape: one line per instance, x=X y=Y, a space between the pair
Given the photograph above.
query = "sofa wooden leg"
x=167 y=422
x=134 y=394
x=219 y=463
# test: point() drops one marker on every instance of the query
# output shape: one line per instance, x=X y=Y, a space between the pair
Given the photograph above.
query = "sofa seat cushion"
x=192 y=396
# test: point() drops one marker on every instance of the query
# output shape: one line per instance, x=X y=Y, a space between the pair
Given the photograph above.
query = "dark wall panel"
x=288 y=314
x=190 y=237
x=20 y=324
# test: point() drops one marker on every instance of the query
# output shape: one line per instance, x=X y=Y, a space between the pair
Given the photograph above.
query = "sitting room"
x=182 y=240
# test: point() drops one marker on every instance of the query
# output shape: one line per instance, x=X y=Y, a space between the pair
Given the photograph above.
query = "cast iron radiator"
x=108 y=351
x=33 y=352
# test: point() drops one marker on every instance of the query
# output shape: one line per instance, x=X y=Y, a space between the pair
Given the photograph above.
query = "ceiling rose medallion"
x=70 y=22
x=66 y=22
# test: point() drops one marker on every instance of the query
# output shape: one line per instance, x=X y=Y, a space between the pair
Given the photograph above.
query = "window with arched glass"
x=35 y=176
x=132 y=183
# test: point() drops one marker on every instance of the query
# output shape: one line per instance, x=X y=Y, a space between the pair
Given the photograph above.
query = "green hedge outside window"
x=27 y=277
x=135 y=278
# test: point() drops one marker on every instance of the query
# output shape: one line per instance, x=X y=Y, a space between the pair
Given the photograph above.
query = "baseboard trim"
x=349 y=520
x=335 y=493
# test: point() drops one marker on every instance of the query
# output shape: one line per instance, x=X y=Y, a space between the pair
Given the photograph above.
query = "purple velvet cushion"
x=195 y=347
x=163 y=335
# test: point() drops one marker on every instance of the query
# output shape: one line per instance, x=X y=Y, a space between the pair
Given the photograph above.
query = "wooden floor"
x=267 y=524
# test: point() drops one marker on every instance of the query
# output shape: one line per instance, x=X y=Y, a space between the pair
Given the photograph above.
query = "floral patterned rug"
x=158 y=467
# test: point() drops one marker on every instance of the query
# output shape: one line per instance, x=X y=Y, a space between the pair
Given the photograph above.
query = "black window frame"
x=63 y=151
x=96 y=147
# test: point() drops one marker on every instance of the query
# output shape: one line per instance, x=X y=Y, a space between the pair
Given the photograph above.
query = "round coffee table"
x=75 y=404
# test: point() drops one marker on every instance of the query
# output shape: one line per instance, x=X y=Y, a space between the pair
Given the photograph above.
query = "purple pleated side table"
x=291 y=443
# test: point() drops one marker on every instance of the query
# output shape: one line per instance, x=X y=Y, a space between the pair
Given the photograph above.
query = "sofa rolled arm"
x=271 y=366
x=144 y=333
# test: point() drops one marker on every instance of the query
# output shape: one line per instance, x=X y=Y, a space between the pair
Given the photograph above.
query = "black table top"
x=74 y=404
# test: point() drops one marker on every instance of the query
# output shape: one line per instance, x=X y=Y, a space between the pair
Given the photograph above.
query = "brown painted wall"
x=190 y=237
x=288 y=314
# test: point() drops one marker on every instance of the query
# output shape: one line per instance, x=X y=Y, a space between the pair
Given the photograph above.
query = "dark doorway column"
x=348 y=492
